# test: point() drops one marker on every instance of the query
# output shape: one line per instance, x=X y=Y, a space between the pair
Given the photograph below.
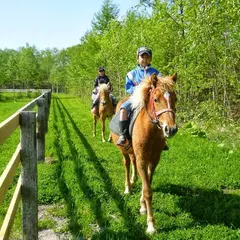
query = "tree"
x=58 y=76
x=12 y=71
x=107 y=13
x=46 y=62
x=28 y=65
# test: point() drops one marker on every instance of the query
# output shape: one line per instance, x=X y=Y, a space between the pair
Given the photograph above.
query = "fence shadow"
x=134 y=229
x=61 y=181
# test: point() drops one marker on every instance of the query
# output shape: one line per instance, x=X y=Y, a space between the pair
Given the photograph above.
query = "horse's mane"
x=141 y=94
x=103 y=87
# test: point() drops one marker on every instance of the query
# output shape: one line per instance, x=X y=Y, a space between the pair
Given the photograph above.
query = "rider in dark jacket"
x=100 y=79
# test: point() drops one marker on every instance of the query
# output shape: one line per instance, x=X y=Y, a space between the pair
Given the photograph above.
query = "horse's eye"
x=156 y=100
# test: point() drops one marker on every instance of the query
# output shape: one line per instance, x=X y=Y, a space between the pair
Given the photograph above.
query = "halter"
x=156 y=115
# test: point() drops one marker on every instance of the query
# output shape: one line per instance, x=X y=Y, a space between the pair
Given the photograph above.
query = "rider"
x=133 y=79
x=101 y=78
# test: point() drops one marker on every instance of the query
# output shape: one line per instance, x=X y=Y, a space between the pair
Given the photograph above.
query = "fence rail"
x=30 y=150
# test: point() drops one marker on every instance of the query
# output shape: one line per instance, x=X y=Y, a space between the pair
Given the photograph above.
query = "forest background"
x=197 y=39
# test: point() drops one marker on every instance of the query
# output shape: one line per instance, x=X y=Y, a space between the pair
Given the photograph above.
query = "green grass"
x=9 y=104
x=196 y=186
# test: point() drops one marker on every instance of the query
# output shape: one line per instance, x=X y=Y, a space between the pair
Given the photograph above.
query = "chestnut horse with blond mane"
x=105 y=109
x=156 y=98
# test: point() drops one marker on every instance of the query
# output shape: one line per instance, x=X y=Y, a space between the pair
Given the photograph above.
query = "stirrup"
x=121 y=140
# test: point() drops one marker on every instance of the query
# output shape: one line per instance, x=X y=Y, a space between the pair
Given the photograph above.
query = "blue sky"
x=49 y=23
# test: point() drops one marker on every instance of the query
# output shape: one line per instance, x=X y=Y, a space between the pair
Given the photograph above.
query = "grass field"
x=196 y=186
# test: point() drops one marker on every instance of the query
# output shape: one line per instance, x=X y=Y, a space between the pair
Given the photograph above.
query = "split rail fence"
x=30 y=150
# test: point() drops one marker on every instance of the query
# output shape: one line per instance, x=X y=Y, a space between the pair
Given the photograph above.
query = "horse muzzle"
x=169 y=131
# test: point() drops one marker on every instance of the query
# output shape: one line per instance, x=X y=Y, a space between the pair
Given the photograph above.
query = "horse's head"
x=161 y=104
x=104 y=90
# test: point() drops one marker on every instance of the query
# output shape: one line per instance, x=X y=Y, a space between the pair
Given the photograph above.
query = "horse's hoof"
x=133 y=181
x=143 y=210
x=150 y=229
x=103 y=140
x=127 y=191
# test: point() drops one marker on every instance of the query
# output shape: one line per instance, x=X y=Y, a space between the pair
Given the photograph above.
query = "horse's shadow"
x=206 y=206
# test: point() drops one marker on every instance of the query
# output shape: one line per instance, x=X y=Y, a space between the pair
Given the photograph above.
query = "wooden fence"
x=29 y=151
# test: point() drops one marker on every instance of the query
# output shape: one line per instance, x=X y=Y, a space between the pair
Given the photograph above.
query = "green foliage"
x=28 y=63
x=108 y=12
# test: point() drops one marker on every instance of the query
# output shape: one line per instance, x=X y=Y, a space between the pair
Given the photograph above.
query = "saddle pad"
x=114 y=123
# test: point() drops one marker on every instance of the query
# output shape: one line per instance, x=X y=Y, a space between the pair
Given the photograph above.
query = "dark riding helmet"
x=101 y=69
x=143 y=50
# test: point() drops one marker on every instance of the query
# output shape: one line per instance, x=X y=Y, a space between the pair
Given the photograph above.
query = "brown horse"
x=105 y=109
x=156 y=120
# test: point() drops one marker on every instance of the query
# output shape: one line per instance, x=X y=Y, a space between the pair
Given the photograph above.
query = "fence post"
x=46 y=109
x=29 y=176
x=41 y=130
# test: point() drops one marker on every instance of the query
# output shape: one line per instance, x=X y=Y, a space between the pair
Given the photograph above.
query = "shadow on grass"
x=133 y=230
x=206 y=206
x=61 y=181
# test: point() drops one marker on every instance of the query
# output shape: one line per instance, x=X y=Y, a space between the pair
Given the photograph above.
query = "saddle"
x=114 y=124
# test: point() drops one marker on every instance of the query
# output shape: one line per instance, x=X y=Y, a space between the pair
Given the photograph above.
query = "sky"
x=49 y=23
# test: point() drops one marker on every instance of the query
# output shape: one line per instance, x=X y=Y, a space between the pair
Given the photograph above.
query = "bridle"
x=155 y=119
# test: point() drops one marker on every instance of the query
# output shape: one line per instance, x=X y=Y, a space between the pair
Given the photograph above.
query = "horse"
x=156 y=98
x=105 y=109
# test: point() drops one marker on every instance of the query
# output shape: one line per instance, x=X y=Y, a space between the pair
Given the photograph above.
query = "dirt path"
x=55 y=233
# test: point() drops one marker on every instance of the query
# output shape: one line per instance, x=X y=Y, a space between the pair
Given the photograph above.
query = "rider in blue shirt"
x=133 y=79
x=135 y=76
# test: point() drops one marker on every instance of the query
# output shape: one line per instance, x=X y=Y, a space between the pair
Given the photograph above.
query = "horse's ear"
x=174 y=77
x=154 y=79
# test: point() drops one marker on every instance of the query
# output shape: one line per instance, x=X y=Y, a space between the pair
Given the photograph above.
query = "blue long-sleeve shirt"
x=135 y=77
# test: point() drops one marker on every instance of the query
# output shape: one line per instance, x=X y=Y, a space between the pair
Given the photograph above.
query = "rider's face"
x=144 y=59
x=101 y=73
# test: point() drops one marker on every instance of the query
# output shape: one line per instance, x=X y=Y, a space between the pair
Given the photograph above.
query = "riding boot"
x=123 y=125
x=114 y=102
x=93 y=105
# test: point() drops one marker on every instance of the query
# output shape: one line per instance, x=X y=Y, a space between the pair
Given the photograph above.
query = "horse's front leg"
x=146 y=196
x=151 y=169
x=103 y=129
x=143 y=207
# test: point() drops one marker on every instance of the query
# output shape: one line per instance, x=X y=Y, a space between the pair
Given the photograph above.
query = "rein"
x=155 y=120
